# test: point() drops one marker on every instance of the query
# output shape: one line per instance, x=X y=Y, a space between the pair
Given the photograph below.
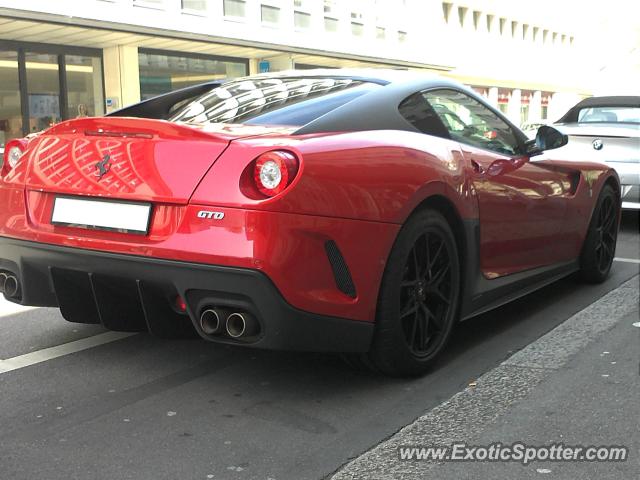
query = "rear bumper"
x=128 y=292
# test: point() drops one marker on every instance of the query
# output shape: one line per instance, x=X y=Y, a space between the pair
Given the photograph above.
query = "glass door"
x=43 y=90
x=10 y=107
x=84 y=86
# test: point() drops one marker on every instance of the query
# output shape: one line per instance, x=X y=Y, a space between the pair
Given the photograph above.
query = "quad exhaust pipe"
x=9 y=285
x=241 y=325
x=212 y=321
x=217 y=321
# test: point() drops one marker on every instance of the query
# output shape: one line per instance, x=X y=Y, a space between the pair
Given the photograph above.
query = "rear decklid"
x=126 y=158
x=601 y=142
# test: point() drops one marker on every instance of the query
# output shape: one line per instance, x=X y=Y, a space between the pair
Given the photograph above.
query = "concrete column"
x=535 y=107
x=121 y=76
x=253 y=66
x=280 y=63
x=513 y=110
x=492 y=96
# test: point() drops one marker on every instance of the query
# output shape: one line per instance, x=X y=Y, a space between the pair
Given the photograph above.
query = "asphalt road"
x=143 y=408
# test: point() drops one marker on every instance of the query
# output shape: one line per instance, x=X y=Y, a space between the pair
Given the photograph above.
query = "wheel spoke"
x=441 y=296
x=427 y=256
x=428 y=313
x=416 y=264
x=409 y=309
x=414 y=330
x=609 y=222
x=435 y=257
x=439 y=277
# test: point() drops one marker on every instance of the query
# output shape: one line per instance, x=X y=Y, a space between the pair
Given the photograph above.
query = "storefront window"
x=161 y=73
x=59 y=83
x=84 y=86
x=43 y=90
x=10 y=113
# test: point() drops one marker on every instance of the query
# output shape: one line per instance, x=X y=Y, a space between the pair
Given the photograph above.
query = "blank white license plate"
x=101 y=214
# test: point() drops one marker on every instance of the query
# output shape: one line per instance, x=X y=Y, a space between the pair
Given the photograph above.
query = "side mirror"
x=547 y=138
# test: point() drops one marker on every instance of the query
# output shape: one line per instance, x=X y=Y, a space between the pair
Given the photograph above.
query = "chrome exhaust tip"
x=11 y=286
x=3 y=279
x=211 y=321
x=241 y=325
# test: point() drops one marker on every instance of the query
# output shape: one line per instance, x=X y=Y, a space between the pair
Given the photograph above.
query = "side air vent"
x=341 y=273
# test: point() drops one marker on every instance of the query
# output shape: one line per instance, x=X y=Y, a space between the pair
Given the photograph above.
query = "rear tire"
x=600 y=244
x=418 y=300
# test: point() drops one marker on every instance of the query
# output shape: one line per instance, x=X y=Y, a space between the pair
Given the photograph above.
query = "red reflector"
x=181 y=304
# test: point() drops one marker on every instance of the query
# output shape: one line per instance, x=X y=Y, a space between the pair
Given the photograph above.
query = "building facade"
x=71 y=58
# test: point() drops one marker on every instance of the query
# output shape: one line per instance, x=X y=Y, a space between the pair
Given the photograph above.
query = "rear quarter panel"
x=377 y=176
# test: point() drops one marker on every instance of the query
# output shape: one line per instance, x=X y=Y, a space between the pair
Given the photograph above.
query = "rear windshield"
x=609 y=115
x=273 y=101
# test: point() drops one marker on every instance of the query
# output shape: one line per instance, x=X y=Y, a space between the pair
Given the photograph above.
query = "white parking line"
x=40 y=356
x=626 y=260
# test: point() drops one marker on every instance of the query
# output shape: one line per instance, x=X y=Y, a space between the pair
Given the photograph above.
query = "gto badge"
x=597 y=144
x=103 y=166
x=210 y=215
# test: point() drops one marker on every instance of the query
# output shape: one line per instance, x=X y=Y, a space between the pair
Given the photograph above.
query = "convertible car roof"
x=614 y=101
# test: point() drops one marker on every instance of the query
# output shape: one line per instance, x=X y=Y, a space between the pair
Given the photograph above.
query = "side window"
x=470 y=122
x=417 y=111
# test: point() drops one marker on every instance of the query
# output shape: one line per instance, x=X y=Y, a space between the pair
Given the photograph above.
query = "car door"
x=522 y=203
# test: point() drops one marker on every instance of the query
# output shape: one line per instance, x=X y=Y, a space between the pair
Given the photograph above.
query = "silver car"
x=607 y=129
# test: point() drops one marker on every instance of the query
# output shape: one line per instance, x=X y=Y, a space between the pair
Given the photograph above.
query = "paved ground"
x=577 y=385
x=145 y=408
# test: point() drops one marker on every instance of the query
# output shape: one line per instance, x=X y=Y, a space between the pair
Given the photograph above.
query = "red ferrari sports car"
x=361 y=212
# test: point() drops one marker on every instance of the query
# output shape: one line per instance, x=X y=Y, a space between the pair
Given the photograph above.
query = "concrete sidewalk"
x=577 y=385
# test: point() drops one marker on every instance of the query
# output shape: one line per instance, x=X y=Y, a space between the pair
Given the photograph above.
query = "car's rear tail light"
x=274 y=171
x=13 y=151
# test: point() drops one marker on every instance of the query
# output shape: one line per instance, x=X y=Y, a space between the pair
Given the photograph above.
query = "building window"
x=301 y=20
x=235 y=8
x=476 y=19
x=402 y=36
x=10 y=106
x=525 y=31
x=462 y=13
x=446 y=11
x=503 y=24
x=536 y=34
x=330 y=8
x=357 y=30
x=196 y=6
x=330 y=24
x=381 y=33
x=159 y=4
x=269 y=14
x=161 y=72
x=514 y=28
x=301 y=14
x=489 y=19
